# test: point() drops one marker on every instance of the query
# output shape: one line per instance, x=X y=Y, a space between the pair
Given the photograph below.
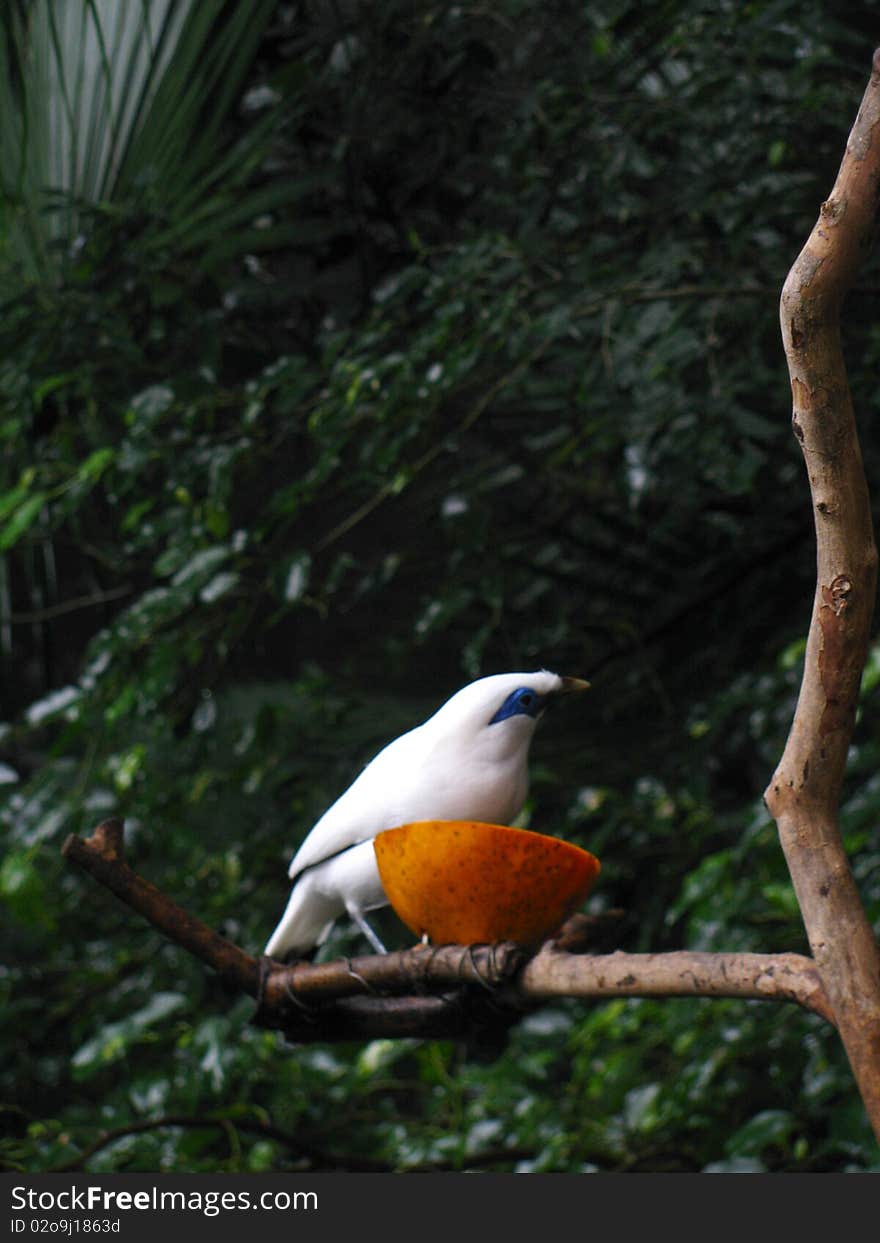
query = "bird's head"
x=501 y=711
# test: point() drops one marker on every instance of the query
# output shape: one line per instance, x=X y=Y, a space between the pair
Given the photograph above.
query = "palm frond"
x=111 y=101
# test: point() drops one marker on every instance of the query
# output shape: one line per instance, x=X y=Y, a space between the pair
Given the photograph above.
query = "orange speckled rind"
x=463 y=882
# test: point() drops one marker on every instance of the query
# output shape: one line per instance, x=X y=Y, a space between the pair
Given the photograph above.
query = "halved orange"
x=463 y=882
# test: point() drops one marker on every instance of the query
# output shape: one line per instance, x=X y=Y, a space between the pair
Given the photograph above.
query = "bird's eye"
x=521 y=702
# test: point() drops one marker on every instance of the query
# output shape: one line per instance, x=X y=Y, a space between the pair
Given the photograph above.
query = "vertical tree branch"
x=803 y=795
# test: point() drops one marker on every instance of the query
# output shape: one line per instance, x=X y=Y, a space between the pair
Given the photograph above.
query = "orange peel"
x=464 y=882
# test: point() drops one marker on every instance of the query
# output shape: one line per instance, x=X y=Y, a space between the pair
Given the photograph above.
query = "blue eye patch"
x=521 y=702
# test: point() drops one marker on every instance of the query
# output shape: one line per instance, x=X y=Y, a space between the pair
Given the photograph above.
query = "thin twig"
x=68 y=606
x=317 y=1157
x=263 y=1130
x=387 y=490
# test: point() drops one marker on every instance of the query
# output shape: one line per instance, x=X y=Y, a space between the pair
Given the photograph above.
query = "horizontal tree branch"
x=442 y=991
x=681 y=973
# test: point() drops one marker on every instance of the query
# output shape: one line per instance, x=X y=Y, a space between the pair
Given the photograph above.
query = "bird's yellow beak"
x=574 y=684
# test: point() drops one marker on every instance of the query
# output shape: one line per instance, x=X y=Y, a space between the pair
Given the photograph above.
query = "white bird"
x=469 y=761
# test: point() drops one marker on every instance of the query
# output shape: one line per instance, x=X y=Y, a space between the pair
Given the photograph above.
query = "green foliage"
x=398 y=344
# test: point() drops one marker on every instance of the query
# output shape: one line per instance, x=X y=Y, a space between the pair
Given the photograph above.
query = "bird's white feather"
x=458 y=765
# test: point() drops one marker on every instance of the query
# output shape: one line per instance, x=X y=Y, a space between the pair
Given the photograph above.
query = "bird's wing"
x=367 y=806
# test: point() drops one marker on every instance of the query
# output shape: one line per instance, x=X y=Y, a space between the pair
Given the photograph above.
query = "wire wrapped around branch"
x=447 y=991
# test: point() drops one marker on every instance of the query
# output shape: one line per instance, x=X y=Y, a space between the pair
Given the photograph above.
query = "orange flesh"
x=463 y=882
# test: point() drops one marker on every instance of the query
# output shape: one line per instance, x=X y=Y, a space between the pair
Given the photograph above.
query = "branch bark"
x=682 y=973
x=447 y=991
x=803 y=795
x=101 y=855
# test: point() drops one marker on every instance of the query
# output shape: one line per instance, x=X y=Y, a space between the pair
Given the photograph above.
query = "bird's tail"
x=306 y=922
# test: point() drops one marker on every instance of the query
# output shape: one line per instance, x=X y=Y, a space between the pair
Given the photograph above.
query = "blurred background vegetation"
x=350 y=351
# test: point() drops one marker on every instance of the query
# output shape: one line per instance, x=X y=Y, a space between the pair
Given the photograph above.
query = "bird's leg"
x=368 y=932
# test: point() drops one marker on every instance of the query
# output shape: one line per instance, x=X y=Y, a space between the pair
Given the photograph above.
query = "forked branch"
x=439 y=991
